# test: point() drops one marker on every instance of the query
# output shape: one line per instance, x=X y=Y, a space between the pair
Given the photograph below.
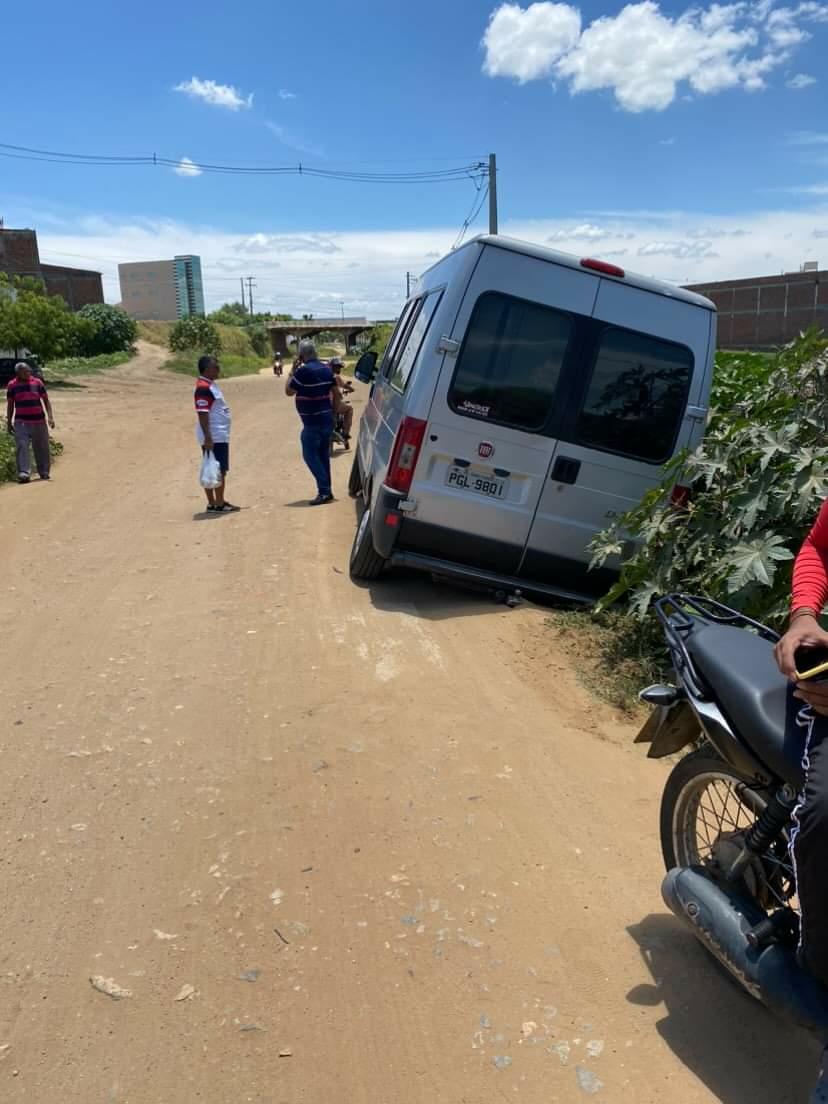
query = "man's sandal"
x=227 y=508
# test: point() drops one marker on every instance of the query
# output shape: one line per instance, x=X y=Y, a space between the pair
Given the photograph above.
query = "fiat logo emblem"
x=485 y=449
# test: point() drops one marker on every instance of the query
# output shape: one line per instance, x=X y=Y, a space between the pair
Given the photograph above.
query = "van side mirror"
x=366 y=367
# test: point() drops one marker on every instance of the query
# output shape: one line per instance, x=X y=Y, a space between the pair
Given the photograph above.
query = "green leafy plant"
x=41 y=324
x=113 y=331
x=757 y=481
x=195 y=334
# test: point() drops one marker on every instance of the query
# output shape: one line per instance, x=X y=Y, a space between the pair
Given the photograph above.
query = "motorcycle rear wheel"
x=706 y=808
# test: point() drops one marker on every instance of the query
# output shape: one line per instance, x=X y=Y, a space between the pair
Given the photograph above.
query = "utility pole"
x=241 y=281
x=342 y=309
x=407 y=286
x=251 y=283
x=492 y=193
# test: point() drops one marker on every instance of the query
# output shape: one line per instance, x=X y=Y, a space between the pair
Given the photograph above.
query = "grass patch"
x=614 y=655
x=57 y=370
x=8 y=468
x=185 y=363
x=156 y=333
x=235 y=340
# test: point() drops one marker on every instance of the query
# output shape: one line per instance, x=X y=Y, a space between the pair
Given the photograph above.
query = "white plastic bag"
x=210 y=474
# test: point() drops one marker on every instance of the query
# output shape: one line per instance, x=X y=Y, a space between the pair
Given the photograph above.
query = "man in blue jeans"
x=312 y=384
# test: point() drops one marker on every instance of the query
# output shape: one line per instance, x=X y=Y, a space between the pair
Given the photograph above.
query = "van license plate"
x=492 y=486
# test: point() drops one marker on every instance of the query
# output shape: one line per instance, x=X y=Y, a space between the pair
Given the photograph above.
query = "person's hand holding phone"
x=805 y=632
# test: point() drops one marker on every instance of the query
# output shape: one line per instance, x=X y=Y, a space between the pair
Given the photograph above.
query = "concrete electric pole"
x=251 y=283
x=492 y=193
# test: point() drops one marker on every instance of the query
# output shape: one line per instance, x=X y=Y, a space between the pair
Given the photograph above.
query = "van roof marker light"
x=602 y=266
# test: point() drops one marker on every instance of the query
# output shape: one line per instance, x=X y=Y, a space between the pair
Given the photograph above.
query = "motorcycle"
x=727 y=805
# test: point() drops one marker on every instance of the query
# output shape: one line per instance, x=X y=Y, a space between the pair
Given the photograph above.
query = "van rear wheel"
x=365 y=563
x=355 y=479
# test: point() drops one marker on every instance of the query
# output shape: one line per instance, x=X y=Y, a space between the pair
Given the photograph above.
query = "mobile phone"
x=811 y=664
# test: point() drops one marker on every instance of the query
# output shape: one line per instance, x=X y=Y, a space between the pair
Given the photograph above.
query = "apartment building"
x=163 y=291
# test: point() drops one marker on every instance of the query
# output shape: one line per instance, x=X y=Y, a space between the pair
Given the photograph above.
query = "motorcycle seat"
x=742 y=675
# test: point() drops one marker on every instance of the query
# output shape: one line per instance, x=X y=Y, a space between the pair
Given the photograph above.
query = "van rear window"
x=510 y=363
x=636 y=396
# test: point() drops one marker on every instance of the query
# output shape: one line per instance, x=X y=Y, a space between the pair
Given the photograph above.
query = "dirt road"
x=363 y=845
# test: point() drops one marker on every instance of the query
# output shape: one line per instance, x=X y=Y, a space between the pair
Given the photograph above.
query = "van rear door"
x=485 y=458
x=626 y=415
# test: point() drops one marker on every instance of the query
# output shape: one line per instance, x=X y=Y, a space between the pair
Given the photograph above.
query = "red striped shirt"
x=810 y=574
x=26 y=398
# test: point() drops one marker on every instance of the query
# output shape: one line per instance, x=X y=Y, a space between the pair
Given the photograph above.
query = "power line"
x=477 y=205
x=474 y=169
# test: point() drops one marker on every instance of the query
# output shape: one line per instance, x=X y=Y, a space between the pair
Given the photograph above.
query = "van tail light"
x=680 y=497
x=404 y=455
x=602 y=266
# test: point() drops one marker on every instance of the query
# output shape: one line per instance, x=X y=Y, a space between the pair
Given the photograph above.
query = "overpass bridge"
x=348 y=328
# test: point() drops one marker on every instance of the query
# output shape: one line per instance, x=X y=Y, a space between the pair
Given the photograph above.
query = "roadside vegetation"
x=757 y=481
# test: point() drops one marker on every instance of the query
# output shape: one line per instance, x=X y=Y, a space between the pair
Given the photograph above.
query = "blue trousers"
x=316 y=452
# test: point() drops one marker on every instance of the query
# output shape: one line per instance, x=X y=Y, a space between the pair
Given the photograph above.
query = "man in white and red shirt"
x=28 y=406
x=213 y=429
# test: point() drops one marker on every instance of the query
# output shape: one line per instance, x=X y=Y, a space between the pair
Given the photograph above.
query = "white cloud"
x=808 y=138
x=800 y=80
x=678 y=249
x=641 y=55
x=293 y=141
x=367 y=269
x=186 y=167
x=584 y=231
x=809 y=189
x=666 y=141
x=528 y=44
x=287 y=243
x=218 y=95
x=284 y=94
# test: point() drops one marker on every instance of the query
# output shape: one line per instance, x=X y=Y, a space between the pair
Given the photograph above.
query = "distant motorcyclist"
x=277 y=364
x=343 y=411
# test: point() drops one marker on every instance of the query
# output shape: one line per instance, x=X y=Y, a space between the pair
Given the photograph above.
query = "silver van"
x=526 y=398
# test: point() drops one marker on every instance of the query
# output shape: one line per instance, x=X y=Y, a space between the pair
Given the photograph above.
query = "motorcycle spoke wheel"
x=707 y=810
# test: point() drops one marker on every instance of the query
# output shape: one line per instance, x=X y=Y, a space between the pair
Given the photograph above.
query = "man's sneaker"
x=23 y=479
x=320 y=500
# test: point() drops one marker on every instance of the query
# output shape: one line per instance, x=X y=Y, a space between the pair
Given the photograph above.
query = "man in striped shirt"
x=26 y=398
x=312 y=384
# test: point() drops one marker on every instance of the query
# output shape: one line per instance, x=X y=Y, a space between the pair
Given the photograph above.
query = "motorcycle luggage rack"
x=680 y=614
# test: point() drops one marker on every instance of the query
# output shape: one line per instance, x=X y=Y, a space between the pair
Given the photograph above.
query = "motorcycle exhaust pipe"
x=721 y=919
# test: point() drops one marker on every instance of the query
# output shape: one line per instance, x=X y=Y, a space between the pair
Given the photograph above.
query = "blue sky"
x=693 y=144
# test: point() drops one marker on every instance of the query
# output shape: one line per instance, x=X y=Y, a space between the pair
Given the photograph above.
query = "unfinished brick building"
x=765 y=311
x=19 y=256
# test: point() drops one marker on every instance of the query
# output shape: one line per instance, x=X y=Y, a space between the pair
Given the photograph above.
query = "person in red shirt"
x=26 y=398
x=809 y=837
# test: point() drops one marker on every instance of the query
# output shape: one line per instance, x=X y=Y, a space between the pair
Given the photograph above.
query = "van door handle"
x=565 y=470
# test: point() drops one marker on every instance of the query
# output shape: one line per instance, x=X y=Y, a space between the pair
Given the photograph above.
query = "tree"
x=230 y=314
x=113 y=330
x=42 y=324
x=197 y=334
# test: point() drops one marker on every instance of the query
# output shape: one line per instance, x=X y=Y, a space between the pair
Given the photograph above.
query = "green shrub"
x=195 y=334
x=758 y=479
x=114 y=331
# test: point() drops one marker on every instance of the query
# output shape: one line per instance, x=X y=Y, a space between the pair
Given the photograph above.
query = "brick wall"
x=768 y=310
x=76 y=285
x=19 y=256
x=18 y=252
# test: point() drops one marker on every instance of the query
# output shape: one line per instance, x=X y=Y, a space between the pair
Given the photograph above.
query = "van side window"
x=635 y=401
x=510 y=364
x=396 y=336
x=406 y=355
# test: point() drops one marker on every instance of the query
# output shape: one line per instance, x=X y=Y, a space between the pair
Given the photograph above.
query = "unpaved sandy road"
x=220 y=756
